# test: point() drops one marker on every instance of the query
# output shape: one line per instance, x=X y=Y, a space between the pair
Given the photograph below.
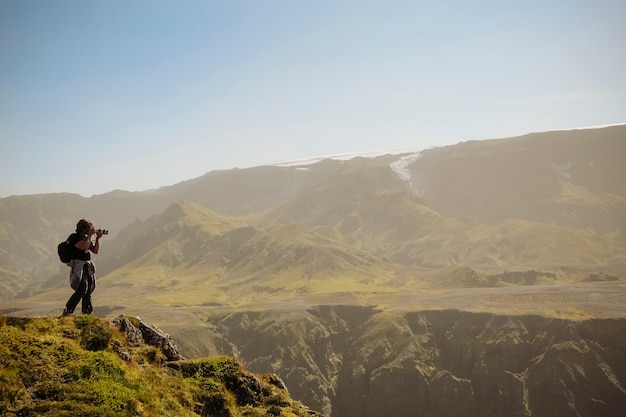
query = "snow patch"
x=341 y=157
x=418 y=183
x=401 y=166
x=562 y=170
x=593 y=127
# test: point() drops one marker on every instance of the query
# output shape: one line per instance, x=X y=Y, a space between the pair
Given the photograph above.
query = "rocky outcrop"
x=361 y=362
x=48 y=369
x=137 y=332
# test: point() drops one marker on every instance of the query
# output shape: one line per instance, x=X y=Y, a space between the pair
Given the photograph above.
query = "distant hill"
x=571 y=178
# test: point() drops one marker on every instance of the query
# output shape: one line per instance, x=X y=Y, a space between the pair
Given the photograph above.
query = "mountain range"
x=247 y=262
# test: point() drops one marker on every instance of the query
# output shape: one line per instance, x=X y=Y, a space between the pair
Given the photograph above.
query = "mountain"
x=190 y=255
x=570 y=178
x=475 y=269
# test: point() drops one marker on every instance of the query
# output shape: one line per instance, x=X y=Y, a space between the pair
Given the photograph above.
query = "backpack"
x=65 y=251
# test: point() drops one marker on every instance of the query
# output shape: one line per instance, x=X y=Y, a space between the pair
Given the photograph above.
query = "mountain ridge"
x=363 y=204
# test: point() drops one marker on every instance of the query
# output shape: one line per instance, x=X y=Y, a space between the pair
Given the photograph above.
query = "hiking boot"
x=67 y=312
x=87 y=309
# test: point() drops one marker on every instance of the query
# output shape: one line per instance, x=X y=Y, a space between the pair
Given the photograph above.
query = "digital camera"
x=103 y=231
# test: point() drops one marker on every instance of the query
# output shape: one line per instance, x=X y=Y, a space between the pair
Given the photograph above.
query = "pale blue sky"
x=137 y=94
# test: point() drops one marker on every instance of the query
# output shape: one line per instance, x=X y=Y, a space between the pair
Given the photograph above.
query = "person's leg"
x=75 y=298
x=87 y=307
x=79 y=293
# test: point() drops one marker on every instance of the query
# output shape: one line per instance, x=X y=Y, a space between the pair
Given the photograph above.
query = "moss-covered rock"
x=85 y=366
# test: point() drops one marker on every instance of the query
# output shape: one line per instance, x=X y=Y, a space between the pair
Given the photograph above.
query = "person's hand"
x=98 y=234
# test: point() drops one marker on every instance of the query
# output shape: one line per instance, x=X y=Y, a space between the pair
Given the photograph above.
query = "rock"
x=133 y=334
x=148 y=334
x=154 y=336
x=276 y=381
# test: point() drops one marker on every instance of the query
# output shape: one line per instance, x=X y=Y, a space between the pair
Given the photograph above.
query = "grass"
x=83 y=366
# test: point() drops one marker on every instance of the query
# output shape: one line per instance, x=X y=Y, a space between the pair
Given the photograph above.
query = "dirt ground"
x=572 y=301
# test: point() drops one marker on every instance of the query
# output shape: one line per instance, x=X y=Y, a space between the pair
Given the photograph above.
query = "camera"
x=103 y=231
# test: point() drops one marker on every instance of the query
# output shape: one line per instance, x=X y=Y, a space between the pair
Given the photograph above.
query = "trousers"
x=83 y=290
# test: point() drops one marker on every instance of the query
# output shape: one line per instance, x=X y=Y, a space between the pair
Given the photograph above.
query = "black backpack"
x=65 y=251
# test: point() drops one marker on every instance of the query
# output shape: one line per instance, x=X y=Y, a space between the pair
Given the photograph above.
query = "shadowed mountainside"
x=360 y=361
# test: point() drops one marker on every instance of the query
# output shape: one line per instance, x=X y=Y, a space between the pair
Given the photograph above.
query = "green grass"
x=82 y=366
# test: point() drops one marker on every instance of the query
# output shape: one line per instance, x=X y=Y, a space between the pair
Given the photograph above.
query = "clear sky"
x=137 y=94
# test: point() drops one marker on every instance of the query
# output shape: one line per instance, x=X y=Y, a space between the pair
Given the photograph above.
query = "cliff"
x=363 y=362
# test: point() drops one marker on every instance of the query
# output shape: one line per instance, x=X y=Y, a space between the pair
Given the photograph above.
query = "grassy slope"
x=74 y=366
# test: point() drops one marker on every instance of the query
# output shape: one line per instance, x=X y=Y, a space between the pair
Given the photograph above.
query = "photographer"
x=83 y=270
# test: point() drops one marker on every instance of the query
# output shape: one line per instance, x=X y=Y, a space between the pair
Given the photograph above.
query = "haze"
x=97 y=96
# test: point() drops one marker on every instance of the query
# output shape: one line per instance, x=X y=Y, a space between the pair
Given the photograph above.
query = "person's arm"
x=84 y=244
x=96 y=246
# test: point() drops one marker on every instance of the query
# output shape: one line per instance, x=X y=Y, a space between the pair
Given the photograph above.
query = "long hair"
x=82 y=224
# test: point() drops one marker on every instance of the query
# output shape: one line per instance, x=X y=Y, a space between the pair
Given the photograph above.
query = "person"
x=82 y=268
